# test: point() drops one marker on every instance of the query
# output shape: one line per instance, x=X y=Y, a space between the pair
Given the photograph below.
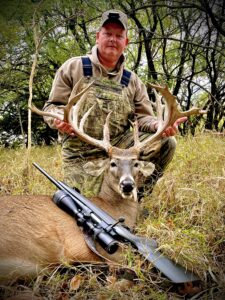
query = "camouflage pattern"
x=106 y=96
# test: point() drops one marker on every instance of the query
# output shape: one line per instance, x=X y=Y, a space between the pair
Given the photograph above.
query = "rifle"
x=99 y=226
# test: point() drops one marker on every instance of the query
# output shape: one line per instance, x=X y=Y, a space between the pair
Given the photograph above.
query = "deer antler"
x=74 y=97
x=173 y=113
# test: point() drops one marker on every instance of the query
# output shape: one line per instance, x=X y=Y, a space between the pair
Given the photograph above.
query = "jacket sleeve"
x=65 y=78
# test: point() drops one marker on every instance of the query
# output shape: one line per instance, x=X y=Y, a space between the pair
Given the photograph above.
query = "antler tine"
x=74 y=98
x=84 y=118
x=173 y=113
x=39 y=112
x=79 y=129
x=159 y=107
x=135 y=134
x=75 y=88
x=66 y=108
x=106 y=133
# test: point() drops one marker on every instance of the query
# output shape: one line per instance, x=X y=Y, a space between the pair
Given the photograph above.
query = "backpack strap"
x=87 y=70
x=87 y=66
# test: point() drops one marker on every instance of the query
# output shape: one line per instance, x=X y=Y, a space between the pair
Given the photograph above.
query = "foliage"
x=185 y=216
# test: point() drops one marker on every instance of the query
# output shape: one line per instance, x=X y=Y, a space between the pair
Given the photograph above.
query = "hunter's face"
x=112 y=41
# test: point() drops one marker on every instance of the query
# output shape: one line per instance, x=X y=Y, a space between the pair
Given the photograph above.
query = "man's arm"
x=66 y=77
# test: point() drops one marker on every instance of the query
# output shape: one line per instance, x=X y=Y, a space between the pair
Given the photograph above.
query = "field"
x=184 y=213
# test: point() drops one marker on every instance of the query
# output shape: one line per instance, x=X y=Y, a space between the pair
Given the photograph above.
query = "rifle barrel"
x=56 y=183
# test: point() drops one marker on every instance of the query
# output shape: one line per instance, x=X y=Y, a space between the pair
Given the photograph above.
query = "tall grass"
x=188 y=204
x=14 y=178
x=186 y=217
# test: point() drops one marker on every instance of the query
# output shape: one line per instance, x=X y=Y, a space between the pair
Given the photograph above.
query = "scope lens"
x=112 y=247
x=107 y=242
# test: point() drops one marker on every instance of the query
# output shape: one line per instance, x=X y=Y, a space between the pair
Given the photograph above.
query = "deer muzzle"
x=127 y=186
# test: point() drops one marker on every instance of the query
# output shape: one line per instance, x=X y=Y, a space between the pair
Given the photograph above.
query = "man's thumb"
x=180 y=120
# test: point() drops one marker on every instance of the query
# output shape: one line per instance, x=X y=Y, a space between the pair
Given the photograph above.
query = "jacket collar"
x=93 y=55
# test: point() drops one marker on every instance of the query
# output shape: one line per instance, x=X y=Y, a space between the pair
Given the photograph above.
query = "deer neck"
x=118 y=206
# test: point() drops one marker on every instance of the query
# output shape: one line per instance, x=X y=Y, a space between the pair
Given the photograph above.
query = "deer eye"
x=136 y=165
x=113 y=164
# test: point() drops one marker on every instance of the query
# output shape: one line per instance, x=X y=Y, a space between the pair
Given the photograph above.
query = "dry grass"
x=186 y=217
x=188 y=204
x=13 y=179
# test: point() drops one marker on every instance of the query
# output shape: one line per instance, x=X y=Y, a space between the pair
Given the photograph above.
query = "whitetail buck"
x=35 y=233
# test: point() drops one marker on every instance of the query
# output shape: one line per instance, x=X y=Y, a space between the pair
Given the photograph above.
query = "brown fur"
x=35 y=233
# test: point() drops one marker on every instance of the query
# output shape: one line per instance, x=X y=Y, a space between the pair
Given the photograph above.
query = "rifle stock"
x=108 y=232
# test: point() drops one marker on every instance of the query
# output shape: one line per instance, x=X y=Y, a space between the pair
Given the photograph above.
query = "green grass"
x=186 y=217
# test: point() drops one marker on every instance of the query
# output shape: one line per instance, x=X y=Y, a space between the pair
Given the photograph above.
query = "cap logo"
x=114 y=16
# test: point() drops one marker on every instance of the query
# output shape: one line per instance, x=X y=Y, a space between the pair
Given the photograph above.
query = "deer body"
x=35 y=233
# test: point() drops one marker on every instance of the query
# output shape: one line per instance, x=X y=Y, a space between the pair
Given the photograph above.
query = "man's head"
x=112 y=37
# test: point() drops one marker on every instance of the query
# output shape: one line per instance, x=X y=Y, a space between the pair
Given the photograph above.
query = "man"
x=115 y=89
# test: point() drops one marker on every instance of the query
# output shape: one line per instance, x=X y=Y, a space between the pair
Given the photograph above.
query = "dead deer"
x=35 y=233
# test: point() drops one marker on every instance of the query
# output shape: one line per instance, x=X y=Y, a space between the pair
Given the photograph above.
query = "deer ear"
x=96 y=168
x=147 y=168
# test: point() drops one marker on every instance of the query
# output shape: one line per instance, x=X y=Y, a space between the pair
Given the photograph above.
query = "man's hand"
x=64 y=127
x=172 y=130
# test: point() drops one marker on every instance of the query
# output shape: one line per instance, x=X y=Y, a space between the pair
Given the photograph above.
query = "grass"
x=14 y=172
x=187 y=206
x=186 y=217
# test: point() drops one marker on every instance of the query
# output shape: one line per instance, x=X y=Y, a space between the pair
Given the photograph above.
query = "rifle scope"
x=86 y=220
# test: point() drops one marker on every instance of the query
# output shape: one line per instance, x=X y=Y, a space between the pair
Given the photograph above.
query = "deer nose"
x=127 y=186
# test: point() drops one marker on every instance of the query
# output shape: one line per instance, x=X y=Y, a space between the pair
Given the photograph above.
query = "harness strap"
x=87 y=70
x=87 y=66
x=125 y=77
